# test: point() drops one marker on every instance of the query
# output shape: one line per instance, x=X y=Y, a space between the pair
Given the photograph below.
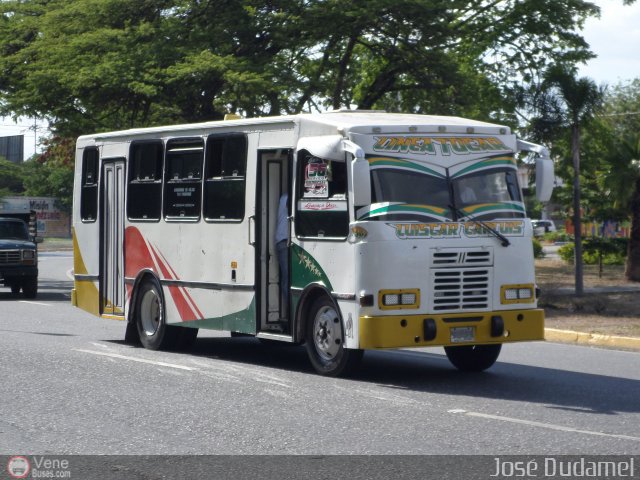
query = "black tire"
x=15 y=288
x=325 y=341
x=186 y=338
x=473 y=358
x=30 y=287
x=150 y=318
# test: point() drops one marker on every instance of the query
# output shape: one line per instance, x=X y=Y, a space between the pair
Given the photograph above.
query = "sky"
x=614 y=38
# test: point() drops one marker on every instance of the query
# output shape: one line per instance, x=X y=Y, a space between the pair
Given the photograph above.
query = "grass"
x=608 y=313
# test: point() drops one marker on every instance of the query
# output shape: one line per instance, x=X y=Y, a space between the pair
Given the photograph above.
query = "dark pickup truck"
x=18 y=257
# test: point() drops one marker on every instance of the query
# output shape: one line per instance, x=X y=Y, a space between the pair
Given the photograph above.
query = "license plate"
x=463 y=334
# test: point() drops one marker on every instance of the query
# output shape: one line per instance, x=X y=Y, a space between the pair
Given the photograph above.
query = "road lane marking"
x=35 y=303
x=134 y=359
x=549 y=426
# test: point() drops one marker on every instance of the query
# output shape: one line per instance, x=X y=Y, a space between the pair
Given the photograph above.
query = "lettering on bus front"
x=456 y=230
x=442 y=145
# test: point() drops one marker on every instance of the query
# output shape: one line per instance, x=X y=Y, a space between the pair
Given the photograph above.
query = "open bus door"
x=274 y=182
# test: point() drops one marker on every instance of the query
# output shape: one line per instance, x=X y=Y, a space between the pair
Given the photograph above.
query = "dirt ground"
x=603 y=313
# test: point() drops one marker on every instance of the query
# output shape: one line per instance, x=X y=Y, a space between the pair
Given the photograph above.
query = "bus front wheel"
x=325 y=341
x=154 y=333
x=473 y=358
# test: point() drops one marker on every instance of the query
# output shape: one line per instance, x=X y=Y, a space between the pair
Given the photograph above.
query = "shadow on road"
x=48 y=291
x=432 y=373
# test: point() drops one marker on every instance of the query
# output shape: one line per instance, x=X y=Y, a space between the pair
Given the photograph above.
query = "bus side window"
x=225 y=171
x=321 y=206
x=144 y=190
x=183 y=178
x=89 y=189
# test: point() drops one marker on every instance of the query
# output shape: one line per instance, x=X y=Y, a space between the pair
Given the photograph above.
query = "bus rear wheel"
x=473 y=358
x=325 y=341
x=154 y=333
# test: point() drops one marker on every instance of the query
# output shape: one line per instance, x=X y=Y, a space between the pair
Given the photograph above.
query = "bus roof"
x=343 y=121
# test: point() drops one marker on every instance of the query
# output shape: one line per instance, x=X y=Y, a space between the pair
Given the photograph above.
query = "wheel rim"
x=150 y=312
x=327 y=334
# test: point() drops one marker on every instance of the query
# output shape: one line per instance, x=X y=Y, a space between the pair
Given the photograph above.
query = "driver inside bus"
x=281 y=240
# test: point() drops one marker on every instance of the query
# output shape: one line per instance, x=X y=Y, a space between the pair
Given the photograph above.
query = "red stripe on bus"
x=183 y=289
x=136 y=253
x=184 y=309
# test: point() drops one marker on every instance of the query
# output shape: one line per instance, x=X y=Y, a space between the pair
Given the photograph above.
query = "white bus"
x=401 y=231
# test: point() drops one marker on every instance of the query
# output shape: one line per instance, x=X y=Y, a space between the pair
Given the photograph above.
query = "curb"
x=592 y=339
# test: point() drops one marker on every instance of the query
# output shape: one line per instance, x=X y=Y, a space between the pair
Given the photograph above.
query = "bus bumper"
x=425 y=330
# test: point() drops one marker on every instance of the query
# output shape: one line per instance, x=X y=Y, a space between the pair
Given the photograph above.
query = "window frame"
x=166 y=181
x=300 y=167
x=159 y=181
x=208 y=181
x=91 y=187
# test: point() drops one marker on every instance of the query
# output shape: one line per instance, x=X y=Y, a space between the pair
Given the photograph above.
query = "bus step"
x=275 y=336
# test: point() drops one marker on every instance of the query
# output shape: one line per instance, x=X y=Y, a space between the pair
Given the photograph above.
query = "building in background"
x=52 y=222
x=12 y=148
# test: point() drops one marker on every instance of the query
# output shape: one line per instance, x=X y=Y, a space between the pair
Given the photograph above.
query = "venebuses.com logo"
x=18 y=466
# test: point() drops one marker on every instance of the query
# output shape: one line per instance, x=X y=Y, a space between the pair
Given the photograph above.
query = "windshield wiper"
x=504 y=241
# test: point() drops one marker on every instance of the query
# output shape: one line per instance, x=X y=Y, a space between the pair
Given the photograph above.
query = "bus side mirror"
x=361 y=182
x=544 y=179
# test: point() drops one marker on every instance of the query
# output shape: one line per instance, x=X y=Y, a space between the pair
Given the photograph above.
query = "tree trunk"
x=632 y=271
x=577 y=223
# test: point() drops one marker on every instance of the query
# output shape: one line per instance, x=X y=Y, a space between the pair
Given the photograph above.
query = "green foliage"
x=559 y=236
x=10 y=178
x=537 y=249
x=613 y=251
x=51 y=174
x=94 y=65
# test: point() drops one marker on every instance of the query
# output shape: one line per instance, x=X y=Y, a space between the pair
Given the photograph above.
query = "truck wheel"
x=473 y=358
x=15 y=288
x=325 y=341
x=154 y=333
x=30 y=287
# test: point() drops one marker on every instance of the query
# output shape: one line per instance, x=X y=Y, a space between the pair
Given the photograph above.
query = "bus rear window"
x=89 y=187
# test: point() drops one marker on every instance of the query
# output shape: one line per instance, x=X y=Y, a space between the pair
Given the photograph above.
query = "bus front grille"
x=460 y=289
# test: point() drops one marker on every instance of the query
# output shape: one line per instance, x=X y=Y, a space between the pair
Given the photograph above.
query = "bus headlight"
x=517 y=294
x=398 y=299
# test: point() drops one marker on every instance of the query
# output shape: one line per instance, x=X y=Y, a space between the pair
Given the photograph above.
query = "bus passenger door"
x=111 y=237
x=273 y=311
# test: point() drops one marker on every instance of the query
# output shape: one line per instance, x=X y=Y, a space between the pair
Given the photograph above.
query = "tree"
x=622 y=179
x=619 y=174
x=95 y=65
x=51 y=173
x=11 y=176
x=567 y=103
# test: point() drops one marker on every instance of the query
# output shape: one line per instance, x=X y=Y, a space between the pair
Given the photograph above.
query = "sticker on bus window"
x=317 y=174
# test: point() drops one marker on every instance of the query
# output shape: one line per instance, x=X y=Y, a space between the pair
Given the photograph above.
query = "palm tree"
x=573 y=102
x=621 y=181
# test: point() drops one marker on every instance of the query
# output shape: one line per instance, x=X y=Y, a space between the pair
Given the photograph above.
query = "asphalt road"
x=71 y=386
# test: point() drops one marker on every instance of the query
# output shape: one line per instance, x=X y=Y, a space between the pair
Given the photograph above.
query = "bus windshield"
x=489 y=194
x=406 y=195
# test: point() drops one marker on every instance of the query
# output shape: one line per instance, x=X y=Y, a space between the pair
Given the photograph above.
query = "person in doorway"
x=282 y=248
